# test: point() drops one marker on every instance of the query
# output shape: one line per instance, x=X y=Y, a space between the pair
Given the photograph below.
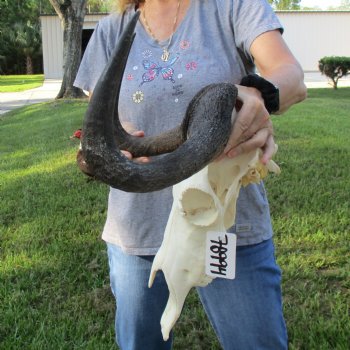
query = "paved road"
x=51 y=87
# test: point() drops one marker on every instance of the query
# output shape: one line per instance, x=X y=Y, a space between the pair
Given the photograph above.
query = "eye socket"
x=198 y=207
x=221 y=180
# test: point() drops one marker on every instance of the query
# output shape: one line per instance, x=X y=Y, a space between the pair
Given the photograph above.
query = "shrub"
x=334 y=67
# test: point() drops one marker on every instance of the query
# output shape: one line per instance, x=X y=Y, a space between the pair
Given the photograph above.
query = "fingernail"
x=232 y=153
x=265 y=160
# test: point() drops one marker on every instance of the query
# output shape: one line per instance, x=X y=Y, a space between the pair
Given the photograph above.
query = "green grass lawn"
x=54 y=286
x=15 y=83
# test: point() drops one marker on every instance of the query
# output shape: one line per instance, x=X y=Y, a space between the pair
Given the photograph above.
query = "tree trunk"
x=71 y=13
x=29 y=65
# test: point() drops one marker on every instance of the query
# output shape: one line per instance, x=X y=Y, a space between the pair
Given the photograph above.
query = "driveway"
x=47 y=92
x=51 y=87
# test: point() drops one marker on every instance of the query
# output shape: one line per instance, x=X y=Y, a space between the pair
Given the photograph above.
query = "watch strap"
x=269 y=92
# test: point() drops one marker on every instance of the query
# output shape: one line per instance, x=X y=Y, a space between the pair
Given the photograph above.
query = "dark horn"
x=103 y=107
x=195 y=143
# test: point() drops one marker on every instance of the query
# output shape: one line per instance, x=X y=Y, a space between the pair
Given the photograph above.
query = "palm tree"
x=27 y=38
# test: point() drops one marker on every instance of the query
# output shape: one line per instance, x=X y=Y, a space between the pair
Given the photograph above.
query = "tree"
x=71 y=14
x=15 y=15
x=100 y=5
x=344 y=6
x=23 y=16
x=335 y=68
x=28 y=41
x=285 y=4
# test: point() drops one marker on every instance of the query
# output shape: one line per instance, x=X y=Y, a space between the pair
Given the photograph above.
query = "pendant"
x=165 y=55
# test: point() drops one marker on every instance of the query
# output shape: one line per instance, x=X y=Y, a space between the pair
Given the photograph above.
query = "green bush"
x=334 y=67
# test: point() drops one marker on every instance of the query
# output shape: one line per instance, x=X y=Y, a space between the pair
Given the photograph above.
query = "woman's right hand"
x=253 y=127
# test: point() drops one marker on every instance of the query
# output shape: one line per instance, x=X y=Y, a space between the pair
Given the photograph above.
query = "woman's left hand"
x=253 y=127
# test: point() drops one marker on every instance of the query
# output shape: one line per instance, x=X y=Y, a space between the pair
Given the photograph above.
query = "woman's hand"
x=253 y=127
x=127 y=154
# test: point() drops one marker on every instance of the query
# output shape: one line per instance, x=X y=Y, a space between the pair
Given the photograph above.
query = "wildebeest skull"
x=190 y=146
x=204 y=202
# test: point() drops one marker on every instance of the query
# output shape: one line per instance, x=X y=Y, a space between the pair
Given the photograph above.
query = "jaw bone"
x=204 y=202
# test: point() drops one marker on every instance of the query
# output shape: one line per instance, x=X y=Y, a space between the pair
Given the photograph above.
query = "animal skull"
x=204 y=202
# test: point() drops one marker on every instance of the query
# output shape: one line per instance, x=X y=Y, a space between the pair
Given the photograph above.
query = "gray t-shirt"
x=211 y=44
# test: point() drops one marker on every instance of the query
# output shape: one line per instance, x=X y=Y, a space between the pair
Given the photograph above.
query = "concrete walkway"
x=317 y=80
x=51 y=87
x=47 y=92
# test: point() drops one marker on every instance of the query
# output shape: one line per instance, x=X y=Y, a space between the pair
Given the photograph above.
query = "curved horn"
x=195 y=143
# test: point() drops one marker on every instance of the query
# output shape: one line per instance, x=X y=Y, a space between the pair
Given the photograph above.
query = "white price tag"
x=221 y=255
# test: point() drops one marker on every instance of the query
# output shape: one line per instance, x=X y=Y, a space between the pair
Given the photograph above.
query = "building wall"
x=52 y=39
x=313 y=35
x=310 y=35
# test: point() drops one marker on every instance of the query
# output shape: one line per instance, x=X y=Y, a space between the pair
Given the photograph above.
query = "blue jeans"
x=246 y=313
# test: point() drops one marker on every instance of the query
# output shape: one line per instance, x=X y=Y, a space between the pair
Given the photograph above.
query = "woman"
x=180 y=47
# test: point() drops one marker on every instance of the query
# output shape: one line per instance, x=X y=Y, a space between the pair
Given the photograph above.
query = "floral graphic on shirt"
x=153 y=70
x=138 y=96
x=147 y=53
x=129 y=77
x=191 y=65
x=184 y=44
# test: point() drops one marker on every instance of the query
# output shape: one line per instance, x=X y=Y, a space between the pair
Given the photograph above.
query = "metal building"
x=311 y=35
x=52 y=40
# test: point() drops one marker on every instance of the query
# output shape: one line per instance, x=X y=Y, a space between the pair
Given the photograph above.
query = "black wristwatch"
x=269 y=92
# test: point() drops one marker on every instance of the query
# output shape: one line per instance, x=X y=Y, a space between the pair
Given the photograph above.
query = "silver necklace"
x=166 y=53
